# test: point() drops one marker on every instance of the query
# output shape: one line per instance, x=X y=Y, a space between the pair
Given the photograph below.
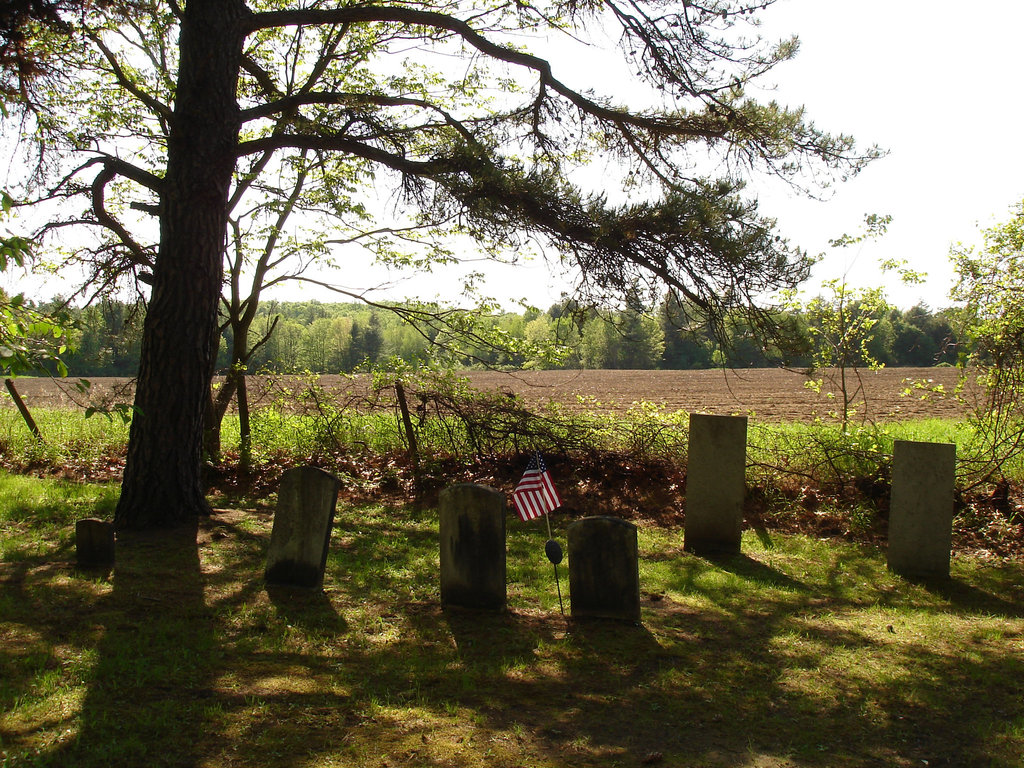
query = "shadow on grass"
x=739 y=663
x=310 y=609
x=490 y=640
x=967 y=597
x=152 y=675
x=754 y=571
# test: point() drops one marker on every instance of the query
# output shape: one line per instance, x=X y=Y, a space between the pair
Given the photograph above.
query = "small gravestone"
x=297 y=555
x=472 y=539
x=94 y=543
x=715 y=484
x=604 y=569
x=921 y=508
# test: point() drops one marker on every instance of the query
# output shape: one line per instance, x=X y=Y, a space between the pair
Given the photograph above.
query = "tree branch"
x=140 y=255
x=159 y=108
x=680 y=126
x=353 y=147
x=290 y=104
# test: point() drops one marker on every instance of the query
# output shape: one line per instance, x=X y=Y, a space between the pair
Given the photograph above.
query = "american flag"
x=535 y=495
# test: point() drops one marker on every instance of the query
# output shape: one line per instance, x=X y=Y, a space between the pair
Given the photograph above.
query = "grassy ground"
x=800 y=652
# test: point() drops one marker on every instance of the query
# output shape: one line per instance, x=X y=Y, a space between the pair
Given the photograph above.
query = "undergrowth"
x=801 y=476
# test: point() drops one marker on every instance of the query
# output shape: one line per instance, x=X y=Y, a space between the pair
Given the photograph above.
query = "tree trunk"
x=162 y=480
x=410 y=436
x=217 y=408
x=211 y=431
x=244 y=425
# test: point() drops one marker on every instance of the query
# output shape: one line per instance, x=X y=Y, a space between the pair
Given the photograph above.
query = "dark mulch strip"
x=598 y=483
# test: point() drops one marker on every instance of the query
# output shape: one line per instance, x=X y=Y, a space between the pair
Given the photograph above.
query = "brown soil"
x=769 y=394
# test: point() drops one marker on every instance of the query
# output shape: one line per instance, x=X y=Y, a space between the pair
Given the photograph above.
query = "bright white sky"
x=937 y=84
x=934 y=82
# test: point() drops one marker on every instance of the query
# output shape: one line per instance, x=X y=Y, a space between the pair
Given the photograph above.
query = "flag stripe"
x=531 y=504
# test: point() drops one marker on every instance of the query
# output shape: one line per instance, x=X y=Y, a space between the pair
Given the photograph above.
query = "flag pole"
x=554 y=554
x=536 y=493
x=554 y=560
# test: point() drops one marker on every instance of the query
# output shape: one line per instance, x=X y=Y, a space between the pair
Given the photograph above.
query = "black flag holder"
x=554 y=552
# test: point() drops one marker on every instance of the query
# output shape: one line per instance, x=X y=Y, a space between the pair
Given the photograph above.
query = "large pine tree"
x=167 y=111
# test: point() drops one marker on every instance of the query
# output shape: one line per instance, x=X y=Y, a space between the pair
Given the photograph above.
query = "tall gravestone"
x=715 y=484
x=604 y=569
x=921 y=508
x=472 y=541
x=94 y=543
x=299 y=540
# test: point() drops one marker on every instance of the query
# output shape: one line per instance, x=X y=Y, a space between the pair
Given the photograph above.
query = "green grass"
x=35 y=514
x=799 y=652
x=813 y=450
x=65 y=432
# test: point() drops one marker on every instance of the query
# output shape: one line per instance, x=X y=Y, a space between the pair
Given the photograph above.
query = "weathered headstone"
x=94 y=543
x=604 y=569
x=472 y=534
x=715 y=484
x=299 y=540
x=921 y=508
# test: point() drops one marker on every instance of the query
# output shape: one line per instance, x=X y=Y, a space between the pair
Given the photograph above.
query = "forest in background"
x=344 y=337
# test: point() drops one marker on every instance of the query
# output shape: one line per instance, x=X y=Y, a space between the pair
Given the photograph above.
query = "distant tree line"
x=345 y=337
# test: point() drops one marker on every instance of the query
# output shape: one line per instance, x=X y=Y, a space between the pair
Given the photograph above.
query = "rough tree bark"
x=162 y=482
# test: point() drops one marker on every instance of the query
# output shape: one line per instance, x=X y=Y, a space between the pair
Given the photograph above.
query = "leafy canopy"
x=163 y=128
x=29 y=337
x=990 y=287
x=448 y=115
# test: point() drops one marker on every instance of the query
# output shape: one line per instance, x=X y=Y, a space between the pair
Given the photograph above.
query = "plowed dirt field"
x=764 y=394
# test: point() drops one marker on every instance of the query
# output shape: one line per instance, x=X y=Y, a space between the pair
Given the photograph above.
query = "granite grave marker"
x=299 y=540
x=604 y=569
x=715 y=484
x=472 y=541
x=921 y=508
